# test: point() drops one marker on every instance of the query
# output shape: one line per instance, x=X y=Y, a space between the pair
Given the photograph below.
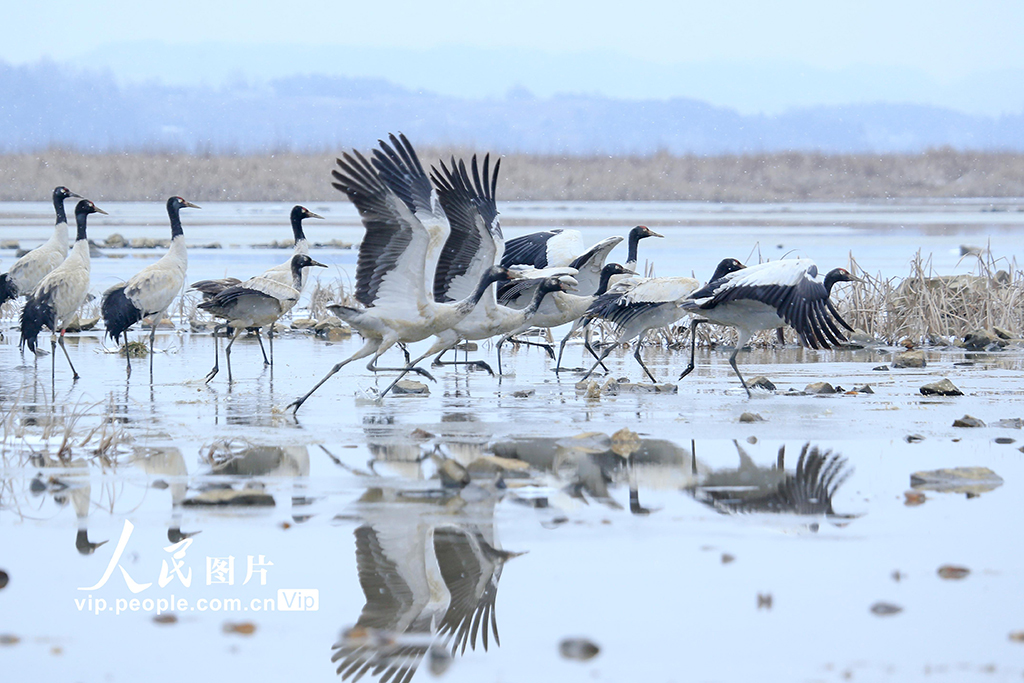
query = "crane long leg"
x=600 y=360
x=693 y=345
x=636 y=354
x=590 y=348
x=744 y=337
x=152 y=338
x=216 y=356
x=127 y=356
x=270 y=336
x=477 y=363
x=227 y=351
x=443 y=345
x=60 y=340
x=369 y=347
x=53 y=361
x=547 y=347
x=577 y=324
x=259 y=338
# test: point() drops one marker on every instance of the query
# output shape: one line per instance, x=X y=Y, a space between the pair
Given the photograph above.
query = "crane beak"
x=317 y=263
x=651 y=233
x=191 y=205
x=74 y=194
x=99 y=210
x=310 y=214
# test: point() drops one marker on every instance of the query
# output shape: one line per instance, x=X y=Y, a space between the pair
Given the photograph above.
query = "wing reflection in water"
x=429 y=567
x=750 y=489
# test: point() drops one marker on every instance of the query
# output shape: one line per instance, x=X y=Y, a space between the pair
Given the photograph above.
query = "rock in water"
x=761 y=382
x=970 y=480
x=981 y=340
x=410 y=387
x=751 y=417
x=968 y=421
x=951 y=571
x=819 y=388
x=885 y=609
x=941 y=388
x=909 y=359
x=579 y=649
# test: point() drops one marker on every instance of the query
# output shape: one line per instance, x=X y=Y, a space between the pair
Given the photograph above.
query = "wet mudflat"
x=681 y=542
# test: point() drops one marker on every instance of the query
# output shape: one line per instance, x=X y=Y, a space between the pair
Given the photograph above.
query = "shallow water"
x=678 y=553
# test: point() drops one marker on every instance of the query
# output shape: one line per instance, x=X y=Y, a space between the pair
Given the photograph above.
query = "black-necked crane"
x=59 y=294
x=281 y=273
x=257 y=302
x=401 y=212
x=560 y=308
x=30 y=269
x=151 y=291
x=549 y=248
x=638 y=305
x=769 y=296
x=474 y=244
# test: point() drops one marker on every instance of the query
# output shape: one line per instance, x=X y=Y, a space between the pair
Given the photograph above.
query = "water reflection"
x=429 y=566
x=751 y=488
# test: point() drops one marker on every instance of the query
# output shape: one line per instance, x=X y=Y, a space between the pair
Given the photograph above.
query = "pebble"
x=1010 y=423
x=751 y=417
x=524 y=393
x=913 y=438
x=913 y=498
x=864 y=389
x=909 y=359
x=885 y=609
x=166 y=619
x=9 y=639
x=4 y=579
x=408 y=387
x=819 y=388
x=245 y=628
x=1004 y=440
x=941 y=388
x=968 y=421
x=579 y=649
x=303 y=324
x=761 y=382
x=950 y=571
x=881 y=368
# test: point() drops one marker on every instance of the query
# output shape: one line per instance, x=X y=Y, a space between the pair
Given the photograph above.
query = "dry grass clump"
x=289 y=176
x=930 y=308
x=326 y=293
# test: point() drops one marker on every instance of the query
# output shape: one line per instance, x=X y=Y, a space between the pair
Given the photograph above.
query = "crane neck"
x=80 y=218
x=300 y=236
x=58 y=206
x=172 y=213
x=535 y=302
x=469 y=303
x=634 y=242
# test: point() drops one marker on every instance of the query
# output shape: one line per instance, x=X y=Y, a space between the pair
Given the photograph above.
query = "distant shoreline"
x=793 y=176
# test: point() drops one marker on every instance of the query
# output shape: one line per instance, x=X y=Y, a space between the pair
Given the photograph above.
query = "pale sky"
x=945 y=40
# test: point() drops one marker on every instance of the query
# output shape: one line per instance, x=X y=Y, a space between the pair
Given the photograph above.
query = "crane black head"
x=82 y=211
x=300 y=213
x=838 y=275
x=174 y=205
x=60 y=193
x=300 y=261
x=726 y=266
x=558 y=283
x=607 y=272
x=642 y=231
x=497 y=274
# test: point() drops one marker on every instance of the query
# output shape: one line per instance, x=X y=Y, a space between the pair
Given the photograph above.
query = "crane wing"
x=475 y=242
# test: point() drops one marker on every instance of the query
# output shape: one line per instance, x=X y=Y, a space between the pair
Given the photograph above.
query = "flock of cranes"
x=433 y=264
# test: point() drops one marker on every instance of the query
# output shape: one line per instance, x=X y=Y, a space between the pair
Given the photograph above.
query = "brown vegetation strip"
x=748 y=178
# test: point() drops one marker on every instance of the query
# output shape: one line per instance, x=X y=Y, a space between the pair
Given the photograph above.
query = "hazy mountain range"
x=47 y=104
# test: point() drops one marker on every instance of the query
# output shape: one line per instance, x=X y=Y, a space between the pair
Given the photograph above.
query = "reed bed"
x=291 y=176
